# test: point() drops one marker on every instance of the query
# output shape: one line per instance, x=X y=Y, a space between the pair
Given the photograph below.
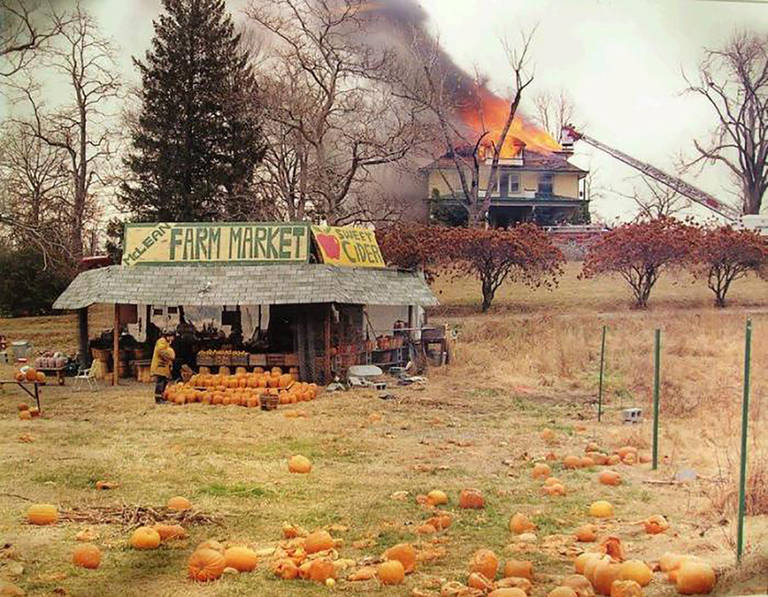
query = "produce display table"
x=23 y=386
x=58 y=371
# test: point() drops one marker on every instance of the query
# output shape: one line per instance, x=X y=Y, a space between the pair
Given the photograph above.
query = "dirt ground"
x=472 y=425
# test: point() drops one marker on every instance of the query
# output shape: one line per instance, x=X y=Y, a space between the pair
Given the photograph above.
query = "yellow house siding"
x=566 y=185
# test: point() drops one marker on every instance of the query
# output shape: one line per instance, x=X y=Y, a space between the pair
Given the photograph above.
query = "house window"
x=546 y=180
x=509 y=183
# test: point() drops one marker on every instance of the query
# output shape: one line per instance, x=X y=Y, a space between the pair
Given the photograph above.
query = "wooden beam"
x=327 y=346
x=116 y=345
x=82 y=332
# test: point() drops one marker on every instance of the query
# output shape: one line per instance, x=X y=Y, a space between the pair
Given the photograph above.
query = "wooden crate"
x=257 y=360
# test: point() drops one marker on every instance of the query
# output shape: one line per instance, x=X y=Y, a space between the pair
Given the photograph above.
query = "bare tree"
x=80 y=127
x=24 y=28
x=734 y=80
x=656 y=200
x=432 y=88
x=328 y=123
x=553 y=111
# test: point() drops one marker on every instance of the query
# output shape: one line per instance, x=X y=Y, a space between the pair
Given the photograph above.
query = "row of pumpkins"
x=30 y=374
x=242 y=389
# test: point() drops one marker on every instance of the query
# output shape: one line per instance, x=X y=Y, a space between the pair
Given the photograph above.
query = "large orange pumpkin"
x=485 y=562
x=241 y=559
x=655 y=524
x=179 y=503
x=86 y=555
x=626 y=588
x=299 y=464
x=169 y=532
x=31 y=374
x=562 y=592
x=391 y=572
x=586 y=533
x=42 y=514
x=480 y=582
x=541 y=470
x=318 y=541
x=580 y=584
x=285 y=568
x=145 y=538
x=404 y=553
x=695 y=577
x=25 y=415
x=519 y=568
x=205 y=565
x=604 y=575
x=637 y=571
x=520 y=523
x=471 y=499
x=609 y=478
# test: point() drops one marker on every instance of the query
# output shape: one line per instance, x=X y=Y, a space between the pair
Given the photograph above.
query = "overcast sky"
x=620 y=61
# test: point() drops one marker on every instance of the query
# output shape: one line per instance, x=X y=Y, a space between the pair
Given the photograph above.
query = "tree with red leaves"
x=724 y=255
x=522 y=254
x=639 y=252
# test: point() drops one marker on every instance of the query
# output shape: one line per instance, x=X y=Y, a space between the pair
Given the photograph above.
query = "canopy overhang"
x=209 y=285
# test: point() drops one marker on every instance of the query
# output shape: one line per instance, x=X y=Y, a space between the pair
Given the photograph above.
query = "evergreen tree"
x=197 y=138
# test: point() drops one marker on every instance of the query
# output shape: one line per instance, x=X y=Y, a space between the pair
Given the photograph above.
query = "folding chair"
x=85 y=376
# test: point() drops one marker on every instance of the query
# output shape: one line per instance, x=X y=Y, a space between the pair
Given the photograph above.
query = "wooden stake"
x=327 y=346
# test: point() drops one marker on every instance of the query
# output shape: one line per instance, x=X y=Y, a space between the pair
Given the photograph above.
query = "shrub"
x=28 y=286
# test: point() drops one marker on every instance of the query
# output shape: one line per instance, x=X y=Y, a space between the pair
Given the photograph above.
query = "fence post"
x=744 y=428
x=600 y=389
x=656 y=388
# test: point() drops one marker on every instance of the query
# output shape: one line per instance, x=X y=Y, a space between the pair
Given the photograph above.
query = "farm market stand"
x=312 y=299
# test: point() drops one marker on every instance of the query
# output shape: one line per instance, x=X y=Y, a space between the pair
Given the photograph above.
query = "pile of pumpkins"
x=242 y=388
x=30 y=374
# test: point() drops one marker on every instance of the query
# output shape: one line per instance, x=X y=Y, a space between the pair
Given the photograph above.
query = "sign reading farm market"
x=347 y=246
x=242 y=243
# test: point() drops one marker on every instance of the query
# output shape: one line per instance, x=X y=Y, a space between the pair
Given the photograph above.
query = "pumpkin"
x=592 y=447
x=508 y=592
x=390 y=572
x=562 y=592
x=637 y=571
x=695 y=577
x=319 y=570
x=205 y=565
x=554 y=489
x=547 y=435
x=581 y=560
x=299 y=464
x=285 y=568
x=655 y=524
x=169 y=532
x=86 y=555
x=611 y=546
x=609 y=478
x=31 y=374
x=19 y=376
x=601 y=509
x=613 y=459
x=519 y=568
x=426 y=529
x=25 y=415
x=404 y=553
x=34 y=412
x=626 y=588
x=318 y=541
x=514 y=582
x=241 y=559
x=541 y=470
x=485 y=562
x=604 y=575
x=553 y=481
x=571 y=462
x=591 y=566
x=630 y=459
x=364 y=573
x=520 y=523
x=441 y=521
x=599 y=458
x=480 y=582
x=145 y=538
x=586 y=533
x=40 y=377
x=581 y=586
x=670 y=561
x=42 y=514
x=179 y=503
x=437 y=498
x=587 y=462
x=550 y=456
x=23 y=406
x=624 y=451
x=471 y=499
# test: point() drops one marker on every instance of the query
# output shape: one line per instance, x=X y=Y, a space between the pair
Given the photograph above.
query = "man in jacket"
x=162 y=360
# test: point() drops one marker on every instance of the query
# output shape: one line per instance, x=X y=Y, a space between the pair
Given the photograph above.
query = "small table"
x=23 y=386
x=58 y=371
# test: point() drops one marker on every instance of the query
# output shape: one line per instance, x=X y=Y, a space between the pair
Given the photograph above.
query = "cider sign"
x=241 y=243
x=346 y=246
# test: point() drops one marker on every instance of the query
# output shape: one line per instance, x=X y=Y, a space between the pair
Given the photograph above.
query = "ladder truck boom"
x=687 y=190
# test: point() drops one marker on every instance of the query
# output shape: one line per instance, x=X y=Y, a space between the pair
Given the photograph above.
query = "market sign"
x=237 y=243
x=347 y=246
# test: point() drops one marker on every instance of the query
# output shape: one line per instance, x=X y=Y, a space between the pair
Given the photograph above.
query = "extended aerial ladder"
x=570 y=135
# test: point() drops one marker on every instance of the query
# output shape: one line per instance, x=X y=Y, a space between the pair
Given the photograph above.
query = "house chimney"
x=567 y=138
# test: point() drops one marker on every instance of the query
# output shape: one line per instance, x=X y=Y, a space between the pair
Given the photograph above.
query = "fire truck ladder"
x=677 y=184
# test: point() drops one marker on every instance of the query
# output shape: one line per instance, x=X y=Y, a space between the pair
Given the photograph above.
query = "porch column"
x=115 y=345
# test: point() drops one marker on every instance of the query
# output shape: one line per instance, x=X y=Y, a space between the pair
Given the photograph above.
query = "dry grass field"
x=530 y=364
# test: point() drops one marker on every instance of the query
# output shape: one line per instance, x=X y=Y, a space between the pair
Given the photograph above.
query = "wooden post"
x=82 y=329
x=115 y=345
x=327 y=346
